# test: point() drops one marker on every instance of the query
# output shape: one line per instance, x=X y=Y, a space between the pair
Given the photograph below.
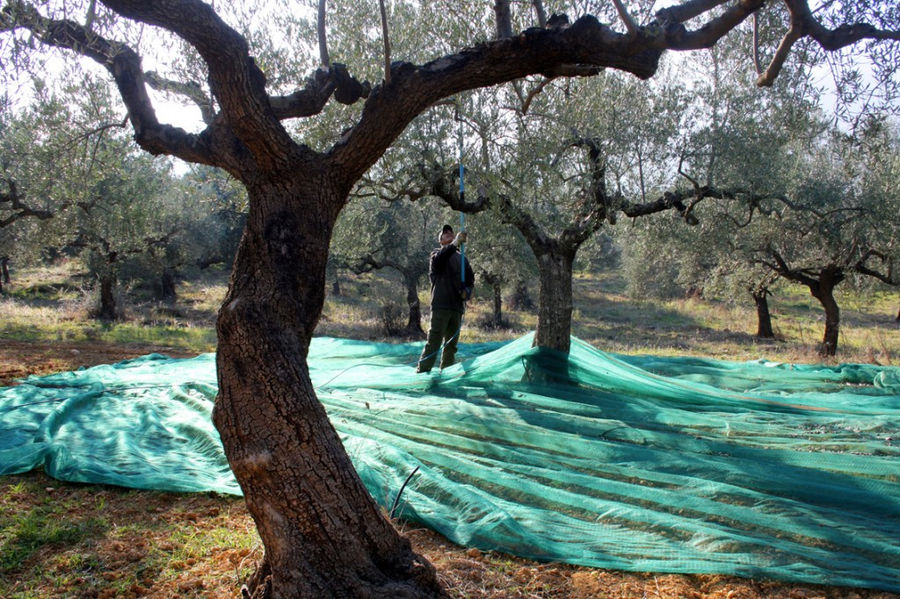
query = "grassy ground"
x=67 y=540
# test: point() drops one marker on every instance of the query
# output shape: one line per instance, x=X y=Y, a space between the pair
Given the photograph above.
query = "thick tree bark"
x=323 y=534
x=555 y=304
x=763 y=316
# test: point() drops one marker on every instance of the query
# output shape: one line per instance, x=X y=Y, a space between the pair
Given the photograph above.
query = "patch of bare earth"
x=154 y=544
x=21 y=358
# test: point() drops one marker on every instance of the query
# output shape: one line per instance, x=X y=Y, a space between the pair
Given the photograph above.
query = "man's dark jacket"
x=447 y=287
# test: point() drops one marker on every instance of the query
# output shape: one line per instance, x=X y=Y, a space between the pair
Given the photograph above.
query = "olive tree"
x=323 y=534
x=838 y=223
x=40 y=151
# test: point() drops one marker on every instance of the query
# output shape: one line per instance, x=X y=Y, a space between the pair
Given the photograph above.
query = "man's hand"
x=460 y=238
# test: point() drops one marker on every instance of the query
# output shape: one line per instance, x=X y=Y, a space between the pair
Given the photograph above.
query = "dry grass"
x=606 y=318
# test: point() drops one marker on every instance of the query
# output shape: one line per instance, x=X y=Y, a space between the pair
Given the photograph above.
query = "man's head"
x=446 y=235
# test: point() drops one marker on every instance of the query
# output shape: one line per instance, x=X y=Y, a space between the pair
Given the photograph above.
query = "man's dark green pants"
x=445 y=326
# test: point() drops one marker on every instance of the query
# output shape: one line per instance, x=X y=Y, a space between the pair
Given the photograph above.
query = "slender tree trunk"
x=497 y=317
x=167 y=291
x=323 y=534
x=107 y=309
x=4 y=267
x=832 y=325
x=495 y=282
x=763 y=316
x=554 y=326
x=414 y=324
x=503 y=19
x=521 y=299
x=824 y=292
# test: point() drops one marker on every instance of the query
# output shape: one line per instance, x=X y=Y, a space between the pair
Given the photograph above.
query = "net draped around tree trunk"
x=555 y=303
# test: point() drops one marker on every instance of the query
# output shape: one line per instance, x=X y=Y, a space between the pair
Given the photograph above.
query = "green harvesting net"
x=633 y=463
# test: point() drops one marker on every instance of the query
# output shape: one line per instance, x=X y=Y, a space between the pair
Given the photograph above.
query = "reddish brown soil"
x=21 y=358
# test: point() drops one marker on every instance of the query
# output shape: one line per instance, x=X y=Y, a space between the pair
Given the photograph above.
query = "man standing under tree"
x=449 y=292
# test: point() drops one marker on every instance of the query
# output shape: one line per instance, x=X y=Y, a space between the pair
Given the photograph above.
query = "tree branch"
x=503 y=19
x=412 y=89
x=527 y=99
x=784 y=48
x=323 y=42
x=311 y=99
x=15 y=203
x=756 y=61
x=236 y=81
x=630 y=25
x=687 y=213
x=677 y=37
x=840 y=37
x=190 y=90
x=890 y=277
x=536 y=237
x=675 y=199
x=540 y=12
x=124 y=65
x=387 y=42
x=686 y=11
x=803 y=24
x=781 y=267
x=443 y=188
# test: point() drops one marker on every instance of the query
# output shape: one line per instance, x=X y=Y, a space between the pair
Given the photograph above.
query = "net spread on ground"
x=637 y=463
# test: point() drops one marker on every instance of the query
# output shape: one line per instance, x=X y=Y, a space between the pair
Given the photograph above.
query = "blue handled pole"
x=462 y=197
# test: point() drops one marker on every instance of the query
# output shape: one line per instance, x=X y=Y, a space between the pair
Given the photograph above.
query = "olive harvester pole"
x=462 y=199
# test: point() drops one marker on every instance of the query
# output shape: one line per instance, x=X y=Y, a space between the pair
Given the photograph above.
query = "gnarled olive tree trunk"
x=824 y=292
x=495 y=283
x=763 y=315
x=414 y=322
x=4 y=272
x=107 y=309
x=323 y=534
x=821 y=284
